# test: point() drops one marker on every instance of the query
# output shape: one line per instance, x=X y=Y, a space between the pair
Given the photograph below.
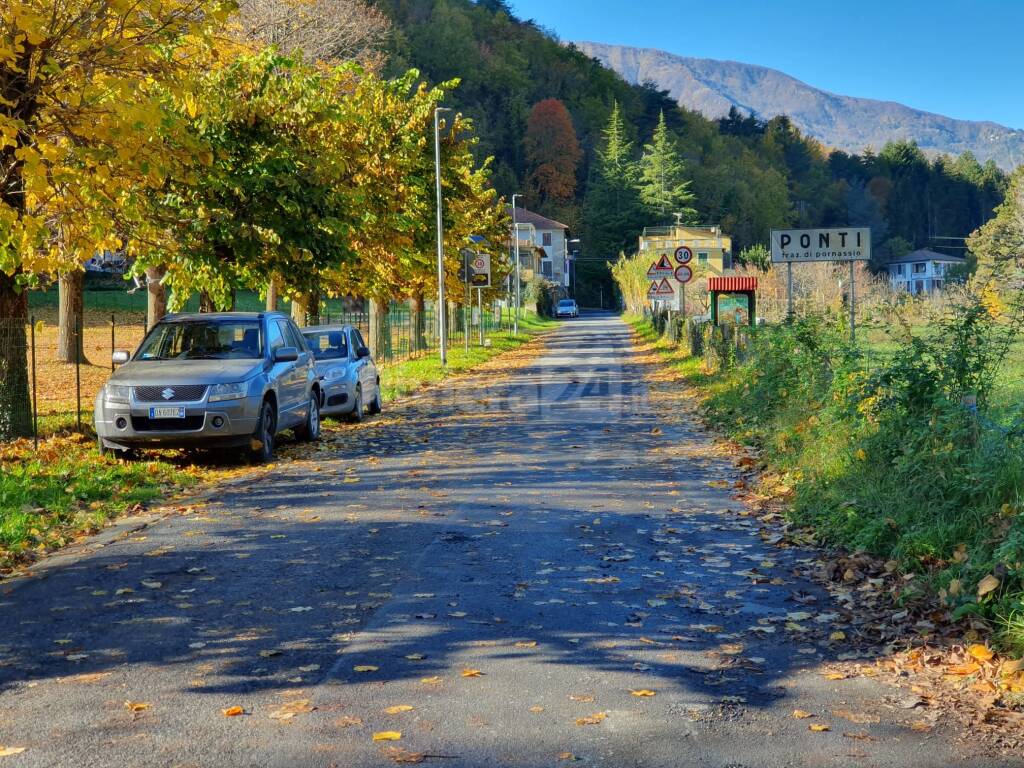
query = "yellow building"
x=711 y=249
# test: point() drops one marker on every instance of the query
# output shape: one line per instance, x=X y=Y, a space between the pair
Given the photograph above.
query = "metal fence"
x=58 y=391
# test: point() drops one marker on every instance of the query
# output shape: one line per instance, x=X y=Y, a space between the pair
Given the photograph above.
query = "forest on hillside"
x=608 y=158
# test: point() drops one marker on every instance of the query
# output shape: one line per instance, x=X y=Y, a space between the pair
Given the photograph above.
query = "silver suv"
x=219 y=380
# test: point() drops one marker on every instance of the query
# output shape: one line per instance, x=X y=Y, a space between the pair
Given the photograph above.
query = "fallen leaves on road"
x=8 y=751
x=399 y=755
x=642 y=692
x=801 y=714
x=347 y=721
x=234 y=711
x=365 y=668
x=818 y=727
x=387 y=735
x=87 y=677
x=136 y=706
x=434 y=680
x=594 y=719
x=471 y=672
x=291 y=709
x=398 y=709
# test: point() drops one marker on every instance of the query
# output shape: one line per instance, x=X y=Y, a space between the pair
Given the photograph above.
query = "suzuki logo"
x=167 y=394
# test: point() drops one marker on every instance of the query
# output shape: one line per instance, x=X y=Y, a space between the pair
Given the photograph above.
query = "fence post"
x=112 y=342
x=78 y=374
x=35 y=395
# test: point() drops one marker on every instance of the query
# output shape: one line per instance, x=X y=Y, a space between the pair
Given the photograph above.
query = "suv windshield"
x=566 y=303
x=327 y=345
x=203 y=340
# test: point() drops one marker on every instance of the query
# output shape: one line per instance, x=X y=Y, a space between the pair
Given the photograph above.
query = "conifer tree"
x=664 y=190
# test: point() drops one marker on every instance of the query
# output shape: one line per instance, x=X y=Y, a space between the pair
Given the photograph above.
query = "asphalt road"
x=502 y=561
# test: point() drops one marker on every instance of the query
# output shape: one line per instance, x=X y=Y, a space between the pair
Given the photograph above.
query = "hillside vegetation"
x=745 y=174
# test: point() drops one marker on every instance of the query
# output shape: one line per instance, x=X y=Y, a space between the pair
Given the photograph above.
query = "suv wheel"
x=357 y=406
x=310 y=428
x=263 y=437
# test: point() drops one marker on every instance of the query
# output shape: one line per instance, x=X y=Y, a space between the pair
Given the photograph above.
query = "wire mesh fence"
x=48 y=382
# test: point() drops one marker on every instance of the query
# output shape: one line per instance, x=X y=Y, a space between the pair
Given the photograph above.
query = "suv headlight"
x=333 y=374
x=117 y=393
x=222 y=392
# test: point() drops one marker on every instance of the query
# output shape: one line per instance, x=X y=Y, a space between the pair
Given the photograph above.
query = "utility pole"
x=442 y=309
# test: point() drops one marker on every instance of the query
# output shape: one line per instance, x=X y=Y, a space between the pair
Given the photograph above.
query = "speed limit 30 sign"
x=684 y=255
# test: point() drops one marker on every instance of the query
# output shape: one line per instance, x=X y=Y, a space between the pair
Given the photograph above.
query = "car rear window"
x=203 y=340
x=327 y=345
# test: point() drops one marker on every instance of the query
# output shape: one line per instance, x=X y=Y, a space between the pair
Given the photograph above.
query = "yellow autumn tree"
x=78 y=119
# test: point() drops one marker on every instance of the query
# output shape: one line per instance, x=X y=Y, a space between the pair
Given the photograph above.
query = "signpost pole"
x=853 y=305
x=480 y=312
x=469 y=301
x=682 y=301
x=789 y=291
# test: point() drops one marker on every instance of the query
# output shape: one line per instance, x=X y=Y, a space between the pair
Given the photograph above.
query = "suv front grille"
x=183 y=393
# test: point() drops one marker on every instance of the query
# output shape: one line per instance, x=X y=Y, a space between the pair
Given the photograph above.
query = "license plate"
x=167 y=413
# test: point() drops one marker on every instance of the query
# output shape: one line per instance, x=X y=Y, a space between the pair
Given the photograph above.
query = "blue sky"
x=958 y=58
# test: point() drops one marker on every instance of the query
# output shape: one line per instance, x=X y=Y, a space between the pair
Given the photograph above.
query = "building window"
x=920 y=268
x=899 y=270
x=702 y=257
x=545 y=267
x=547 y=238
x=726 y=260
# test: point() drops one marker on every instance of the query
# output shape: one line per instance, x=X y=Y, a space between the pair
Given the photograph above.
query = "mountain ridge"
x=848 y=123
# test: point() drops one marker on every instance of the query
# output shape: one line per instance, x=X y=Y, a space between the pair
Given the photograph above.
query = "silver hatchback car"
x=349 y=379
x=231 y=379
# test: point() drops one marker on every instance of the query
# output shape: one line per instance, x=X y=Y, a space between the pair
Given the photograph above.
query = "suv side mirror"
x=286 y=355
x=362 y=352
x=119 y=357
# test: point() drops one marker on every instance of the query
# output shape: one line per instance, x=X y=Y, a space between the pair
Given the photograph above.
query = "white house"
x=550 y=236
x=921 y=271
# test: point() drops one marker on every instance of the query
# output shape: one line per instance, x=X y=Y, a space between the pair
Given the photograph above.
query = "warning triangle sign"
x=664 y=289
x=661 y=268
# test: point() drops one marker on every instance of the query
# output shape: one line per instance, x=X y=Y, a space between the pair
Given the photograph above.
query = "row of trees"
x=169 y=129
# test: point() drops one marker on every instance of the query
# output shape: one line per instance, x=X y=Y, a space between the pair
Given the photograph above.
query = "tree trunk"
x=417 y=319
x=272 y=295
x=378 y=328
x=156 y=296
x=306 y=309
x=15 y=405
x=71 y=300
x=313 y=307
x=206 y=302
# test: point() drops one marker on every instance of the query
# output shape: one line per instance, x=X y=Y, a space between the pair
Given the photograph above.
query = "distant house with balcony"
x=548 y=239
x=711 y=248
x=921 y=271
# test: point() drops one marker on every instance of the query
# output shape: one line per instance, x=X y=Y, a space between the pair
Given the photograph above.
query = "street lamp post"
x=442 y=310
x=573 y=255
x=515 y=235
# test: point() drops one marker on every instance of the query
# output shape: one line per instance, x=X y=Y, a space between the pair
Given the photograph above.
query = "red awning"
x=732 y=284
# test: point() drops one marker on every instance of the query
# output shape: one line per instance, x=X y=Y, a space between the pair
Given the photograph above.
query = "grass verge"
x=65 y=489
x=878 y=456
x=407 y=376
